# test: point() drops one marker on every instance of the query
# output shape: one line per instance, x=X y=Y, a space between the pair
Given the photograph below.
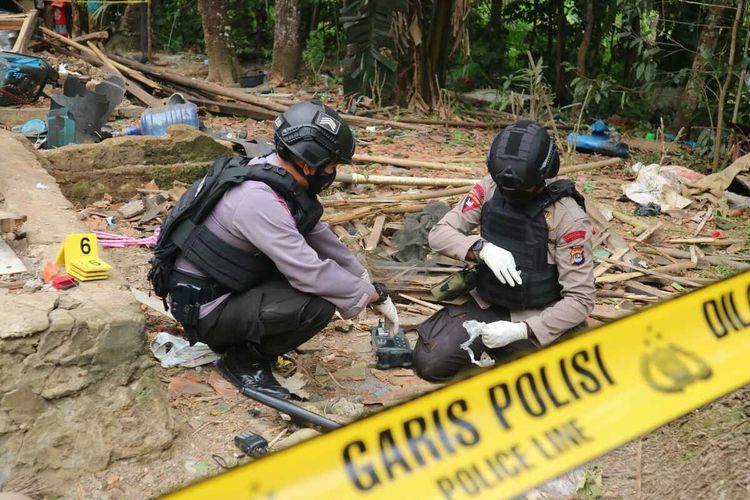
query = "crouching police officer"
x=268 y=274
x=535 y=277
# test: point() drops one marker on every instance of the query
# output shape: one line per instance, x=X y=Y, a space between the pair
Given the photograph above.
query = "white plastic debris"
x=175 y=351
x=653 y=186
x=371 y=130
x=39 y=185
x=474 y=328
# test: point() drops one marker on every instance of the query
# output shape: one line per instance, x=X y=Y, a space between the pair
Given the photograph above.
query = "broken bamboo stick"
x=652 y=272
x=377 y=230
x=569 y=169
x=709 y=212
x=424 y=195
x=355 y=178
x=406 y=163
x=423 y=303
x=707 y=241
x=708 y=259
x=125 y=69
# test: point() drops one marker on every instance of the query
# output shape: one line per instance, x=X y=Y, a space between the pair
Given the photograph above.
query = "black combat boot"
x=244 y=372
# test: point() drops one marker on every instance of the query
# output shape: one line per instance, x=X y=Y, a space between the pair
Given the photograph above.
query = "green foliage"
x=320 y=48
x=370 y=64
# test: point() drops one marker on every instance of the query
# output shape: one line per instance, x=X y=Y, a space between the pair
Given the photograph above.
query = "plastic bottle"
x=156 y=121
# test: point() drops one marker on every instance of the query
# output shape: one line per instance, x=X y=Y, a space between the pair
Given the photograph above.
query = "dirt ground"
x=703 y=455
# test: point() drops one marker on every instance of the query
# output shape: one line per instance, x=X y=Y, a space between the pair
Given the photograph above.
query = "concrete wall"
x=77 y=388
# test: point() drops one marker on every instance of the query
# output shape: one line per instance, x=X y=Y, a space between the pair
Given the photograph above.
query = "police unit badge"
x=474 y=199
x=576 y=255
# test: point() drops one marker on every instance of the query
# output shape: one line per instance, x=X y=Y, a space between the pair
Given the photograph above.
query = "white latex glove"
x=502 y=264
x=502 y=333
x=390 y=315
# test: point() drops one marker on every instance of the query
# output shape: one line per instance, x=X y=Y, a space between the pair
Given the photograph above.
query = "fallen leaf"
x=295 y=384
x=222 y=386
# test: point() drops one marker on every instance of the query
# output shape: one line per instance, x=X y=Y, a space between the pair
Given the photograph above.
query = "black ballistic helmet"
x=314 y=133
x=521 y=157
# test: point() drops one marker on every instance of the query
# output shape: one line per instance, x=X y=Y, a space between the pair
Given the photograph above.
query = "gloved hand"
x=502 y=264
x=390 y=315
x=502 y=333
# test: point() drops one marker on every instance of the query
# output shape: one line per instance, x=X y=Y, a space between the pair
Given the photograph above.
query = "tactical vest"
x=524 y=233
x=232 y=268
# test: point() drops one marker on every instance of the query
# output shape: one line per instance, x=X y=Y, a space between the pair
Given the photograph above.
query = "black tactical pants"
x=438 y=356
x=271 y=319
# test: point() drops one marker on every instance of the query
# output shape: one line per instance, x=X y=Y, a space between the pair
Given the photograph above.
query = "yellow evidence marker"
x=79 y=254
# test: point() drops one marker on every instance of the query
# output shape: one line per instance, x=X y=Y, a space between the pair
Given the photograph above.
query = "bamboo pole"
x=354 y=178
x=404 y=162
x=565 y=170
x=425 y=195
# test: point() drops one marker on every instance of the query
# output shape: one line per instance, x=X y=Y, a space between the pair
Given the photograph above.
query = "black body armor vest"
x=524 y=233
x=236 y=269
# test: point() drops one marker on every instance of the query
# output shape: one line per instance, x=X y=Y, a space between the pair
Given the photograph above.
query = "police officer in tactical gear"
x=535 y=270
x=274 y=274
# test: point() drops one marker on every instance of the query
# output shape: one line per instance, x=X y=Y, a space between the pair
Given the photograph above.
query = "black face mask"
x=519 y=198
x=319 y=181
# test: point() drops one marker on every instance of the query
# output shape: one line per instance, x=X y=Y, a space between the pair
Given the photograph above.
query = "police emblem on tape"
x=576 y=255
x=671 y=368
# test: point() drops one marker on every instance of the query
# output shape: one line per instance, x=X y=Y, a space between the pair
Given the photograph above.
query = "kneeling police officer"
x=535 y=277
x=261 y=273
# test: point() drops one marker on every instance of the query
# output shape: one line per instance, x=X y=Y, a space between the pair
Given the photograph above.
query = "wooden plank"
x=27 y=30
x=657 y=273
x=9 y=262
x=377 y=230
x=607 y=312
x=12 y=22
x=642 y=288
x=605 y=266
x=708 y=215
x=648 y=232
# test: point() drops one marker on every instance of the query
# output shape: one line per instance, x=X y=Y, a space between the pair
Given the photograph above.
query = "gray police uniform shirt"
x=569 y=248
x=253 y=217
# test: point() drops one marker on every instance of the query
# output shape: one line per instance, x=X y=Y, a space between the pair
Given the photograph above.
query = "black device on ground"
x=299 y=415
x=251 y=444
x=391 y=351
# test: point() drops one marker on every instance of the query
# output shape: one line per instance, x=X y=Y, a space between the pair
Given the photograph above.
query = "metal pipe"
x=299 y=415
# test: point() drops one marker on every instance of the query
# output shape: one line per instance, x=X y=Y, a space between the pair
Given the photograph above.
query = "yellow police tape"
x=505 y=430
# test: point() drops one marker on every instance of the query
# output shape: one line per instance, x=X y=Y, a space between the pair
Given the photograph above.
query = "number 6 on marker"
x=77 y=245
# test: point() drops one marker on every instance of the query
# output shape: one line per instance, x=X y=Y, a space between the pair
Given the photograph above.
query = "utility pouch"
x=455 y=284
x=186 y=307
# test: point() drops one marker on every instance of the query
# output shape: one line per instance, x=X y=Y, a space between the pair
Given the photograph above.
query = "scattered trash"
x=412 y=239
x=90 y=110
x=39 y=185
x=474 y=328
x=22 y=78
x=599 y=141
x=252 y=78
x=156 y=121
x=196 y=468
x=652 y=187
x=62 y=128
x=649 y=210
x=173 y=351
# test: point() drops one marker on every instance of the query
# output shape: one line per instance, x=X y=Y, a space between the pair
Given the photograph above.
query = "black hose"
x=300 y=416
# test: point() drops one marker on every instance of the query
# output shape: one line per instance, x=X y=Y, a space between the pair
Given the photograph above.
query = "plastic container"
x=598 y=144
x=62 y=128
x=156 y=121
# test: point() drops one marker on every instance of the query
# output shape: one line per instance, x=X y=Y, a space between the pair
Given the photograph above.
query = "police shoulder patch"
x=474 y=199
x=576 y=255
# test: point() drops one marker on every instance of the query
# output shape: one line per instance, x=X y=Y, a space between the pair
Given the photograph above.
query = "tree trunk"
x=437 y=50
x=287 y=51
x=630 y=54
x=223 y=65
x=583 y=50
x=560 y=84
x=725 y=86
x=497 y=32
x=703 y=54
